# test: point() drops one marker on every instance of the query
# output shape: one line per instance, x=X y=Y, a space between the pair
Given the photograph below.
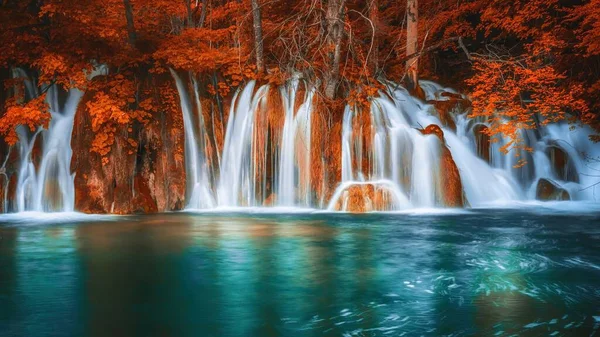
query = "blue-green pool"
x=524 y=272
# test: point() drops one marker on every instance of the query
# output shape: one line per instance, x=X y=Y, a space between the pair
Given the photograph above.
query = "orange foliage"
x=533 y=62
x=32 y=114
x=113 y=108
x=520 y=95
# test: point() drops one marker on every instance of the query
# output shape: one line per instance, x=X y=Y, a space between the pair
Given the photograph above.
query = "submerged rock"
x=363 y=198
x=548 y=190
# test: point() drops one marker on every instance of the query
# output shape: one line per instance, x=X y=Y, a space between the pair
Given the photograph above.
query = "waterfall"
x=236 y=185
x=405 y=165
x=197 y=177
x=294 y=165
x=408 y=162
x=48 y=186
x=388 y=160
x=241 y=182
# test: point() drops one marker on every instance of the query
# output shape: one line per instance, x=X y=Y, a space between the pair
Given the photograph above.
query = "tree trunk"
x=412 y=44
x=130 y=27
x=190 y=16
x=374 y=55
x=335 y=31
x=203 y=13
x=258 y=39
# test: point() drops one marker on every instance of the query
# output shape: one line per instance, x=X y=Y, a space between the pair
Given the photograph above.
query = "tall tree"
x=412 y=42
x=374 y=49
x=258 y=38
x=130 y=26
x=334 y=17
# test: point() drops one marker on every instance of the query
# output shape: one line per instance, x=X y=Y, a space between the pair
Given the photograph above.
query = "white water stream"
x=403 y=161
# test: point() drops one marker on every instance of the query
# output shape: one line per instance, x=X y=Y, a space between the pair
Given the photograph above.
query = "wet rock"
x=548 y=190
x=433 y=129
x=445 y=108
x=562 y=164
x=3 y=190
x=143 y=202
x=326 y=147
x=419 y=92
x=160 y=163
x=9 y=167
x=482 y=141
x=147 y=178
x=271 y=200
x=363 y=198
x=452 y=189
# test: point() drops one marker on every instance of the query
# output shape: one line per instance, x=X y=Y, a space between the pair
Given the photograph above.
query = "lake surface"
x=529 y=272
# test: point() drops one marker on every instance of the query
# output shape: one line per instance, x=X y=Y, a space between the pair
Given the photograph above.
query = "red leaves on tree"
x=32 y=115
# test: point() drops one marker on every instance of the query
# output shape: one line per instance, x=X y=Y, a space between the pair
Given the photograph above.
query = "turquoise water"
x=530 y=272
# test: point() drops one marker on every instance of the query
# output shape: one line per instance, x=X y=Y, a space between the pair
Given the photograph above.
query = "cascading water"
x=198 y=182
x=408 y=161
x=237 y=186
x=389 y=163
x=49 y=185
x=242 y=177
x=294 y=166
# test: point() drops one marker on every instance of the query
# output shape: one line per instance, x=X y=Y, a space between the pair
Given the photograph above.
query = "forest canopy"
x=522 y=63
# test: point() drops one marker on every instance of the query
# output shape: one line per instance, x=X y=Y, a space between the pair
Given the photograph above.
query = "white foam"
x=544 y=206
x=253 y=210
x=57 y=217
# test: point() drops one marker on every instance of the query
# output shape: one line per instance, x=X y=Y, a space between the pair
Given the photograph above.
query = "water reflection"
x=8 y=274
x=301 y=275
x=38 y=267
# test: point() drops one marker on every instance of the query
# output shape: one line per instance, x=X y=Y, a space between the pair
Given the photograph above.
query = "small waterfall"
x=243 y=180
x=520 y=181
x=47 y=186
x=294 y=165
x=425 y=171
x=198 y=181
x=410 y=162
x=578 y=169
x=236 y=186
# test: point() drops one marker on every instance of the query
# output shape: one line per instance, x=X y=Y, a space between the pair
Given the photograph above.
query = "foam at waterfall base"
x=252 y=210
x=557 y=207
x=404 y=212
x=396 y=167
x=432 y=211
x=301 y=210
x=40 y=218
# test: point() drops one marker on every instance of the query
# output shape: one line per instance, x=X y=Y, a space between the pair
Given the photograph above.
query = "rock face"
x=482 y=141
x=548 y=190
x=451 y=183
x=148 y=179
x=363 y=198
x=9 y=156
x=445 y=107
x=562 y=164
x=9 y=172
x=452 y=189
x=9 y=169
